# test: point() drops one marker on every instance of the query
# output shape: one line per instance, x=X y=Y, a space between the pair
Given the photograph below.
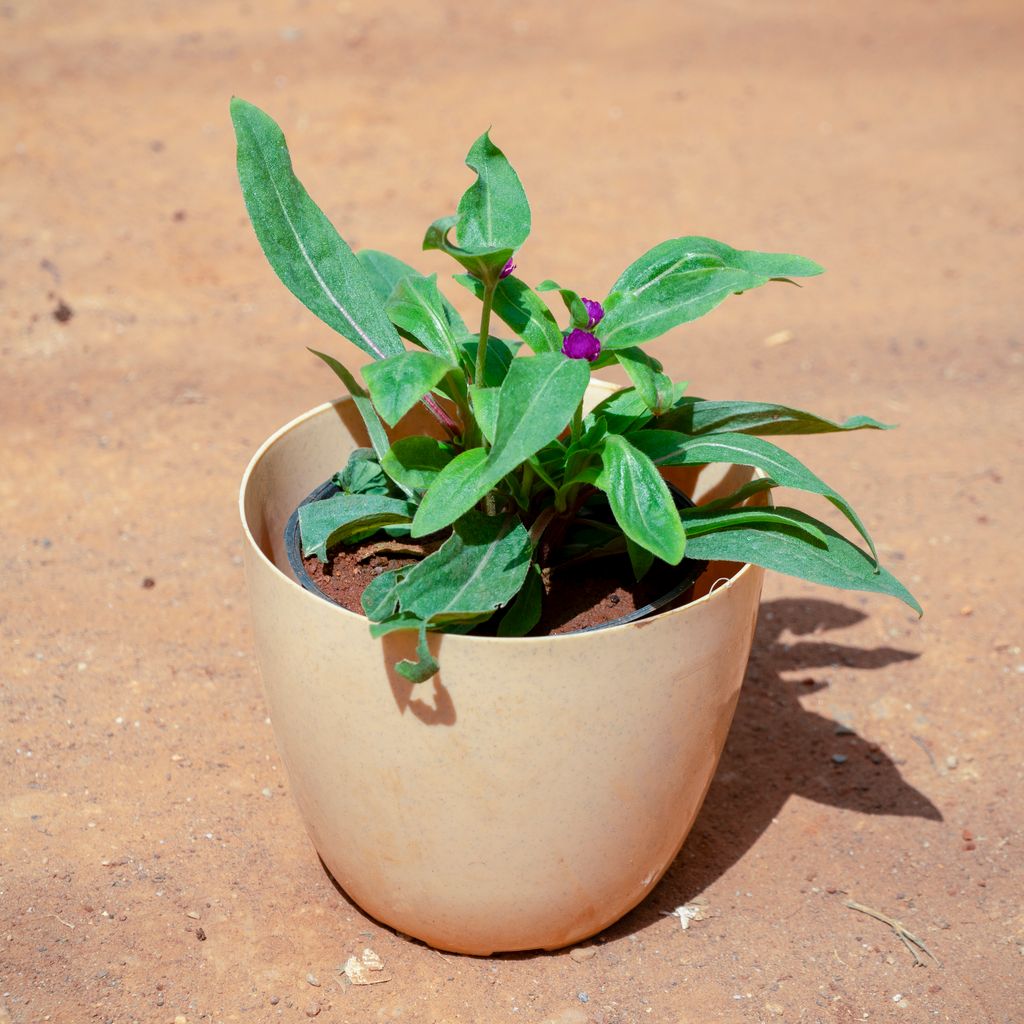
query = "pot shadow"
x=777 y=749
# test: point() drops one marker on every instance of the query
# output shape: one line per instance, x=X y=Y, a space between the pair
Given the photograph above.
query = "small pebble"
x=839 y=758
x=193 y=915
x=267 y=792
x=967 y=835
x=313 y=980
x=313 y=1010
x=844 y=730
x=201 y=934
x=581 y=953
x=274 y=1000
x=148 y=583
x=951 y=761
x=583 y=997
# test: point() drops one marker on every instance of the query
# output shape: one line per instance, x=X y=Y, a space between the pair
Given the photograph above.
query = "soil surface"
x=589 y=594
x=152 y=865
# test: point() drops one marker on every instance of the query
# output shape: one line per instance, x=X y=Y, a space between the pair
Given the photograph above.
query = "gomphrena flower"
x=595 y=312
x=581 y=344
x=507 y=269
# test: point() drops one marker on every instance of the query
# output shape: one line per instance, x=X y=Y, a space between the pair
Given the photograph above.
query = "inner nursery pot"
x=532 y=792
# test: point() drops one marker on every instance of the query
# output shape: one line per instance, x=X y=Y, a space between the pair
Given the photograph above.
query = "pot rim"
x=712 y=595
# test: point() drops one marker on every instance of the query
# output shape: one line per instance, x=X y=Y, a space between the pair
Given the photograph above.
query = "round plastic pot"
x=532 y=792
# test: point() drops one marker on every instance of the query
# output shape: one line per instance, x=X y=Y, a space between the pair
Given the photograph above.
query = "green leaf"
x=588 y=447
x=693 y=252
x=522 y=309
x=640 y=500
x=579 y=317
x=681 y=280
x=478 y=569
x=634 y=317
x=625 y=410
x=385 y=271
x=380 y=598
x=536 y=402
x=654 y=387
x=303 y=247
x=425 y=666
x=741 y=494
x=414 y=462
x=361 y=400
x=362 y=474
x=396 y=384
x=639 y=558
x=787 y=549
x=524 y=612
x=486 y=264
x=485 y=409
x=417 y=307
x=667 y=448
x=698 y=521
x=699 y=416
x=497 y=359
x=322 y=524
x=493 y=212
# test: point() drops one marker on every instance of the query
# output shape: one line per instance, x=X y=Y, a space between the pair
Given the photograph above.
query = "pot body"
x=536 y=789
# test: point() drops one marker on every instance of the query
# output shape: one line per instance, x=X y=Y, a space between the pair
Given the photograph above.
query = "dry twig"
x=907 y=938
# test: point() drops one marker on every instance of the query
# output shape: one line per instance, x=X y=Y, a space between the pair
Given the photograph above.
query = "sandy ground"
x=142 y=798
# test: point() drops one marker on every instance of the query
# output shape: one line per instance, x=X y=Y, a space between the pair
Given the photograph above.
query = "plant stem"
x=577 y=423
x=485 y=329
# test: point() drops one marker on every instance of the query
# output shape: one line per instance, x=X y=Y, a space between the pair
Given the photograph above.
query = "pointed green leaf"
x=639 y=558
x=741 y=494
x=524 y=612
x=497 y=359
x=681 y=280
x=362 y=474
x=788 y=549
x=493 y=213
x=425 y=666
x=654 y=387
x=633 y=317
x=485 y=264
x=303 y=247
x=667 y=448
x=485 y=409
x=417 y=307
x=640 y=500
x=414 y=462
x=699 y=416
x=380 y=598
x=384 y=271
x=396 y=384
x=322 y=524
x=579 y=316
x=361 y=400
x=522 y=309
x=478 y=569
x=626 y=410
x=701 y=520
x=536 y=402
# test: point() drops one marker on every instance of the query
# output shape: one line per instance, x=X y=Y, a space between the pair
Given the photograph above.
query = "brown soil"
x=586 y=595
x=873 y=757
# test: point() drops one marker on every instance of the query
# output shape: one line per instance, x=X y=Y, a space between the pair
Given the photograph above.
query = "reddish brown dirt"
x=590 y=594
x=142 y=797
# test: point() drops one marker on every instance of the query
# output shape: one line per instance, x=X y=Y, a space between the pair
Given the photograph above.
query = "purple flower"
x=507 y=269
x=581 y=345
x=595 y=311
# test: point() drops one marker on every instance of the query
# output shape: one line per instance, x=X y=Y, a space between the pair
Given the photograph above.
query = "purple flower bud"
x=581 y=345
x=507 y=269
x=595 y=311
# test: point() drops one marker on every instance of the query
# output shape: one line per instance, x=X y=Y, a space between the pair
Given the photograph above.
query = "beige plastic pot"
x=533 y=792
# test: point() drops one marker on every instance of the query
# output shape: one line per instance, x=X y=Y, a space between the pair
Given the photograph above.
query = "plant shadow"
x=777 y=749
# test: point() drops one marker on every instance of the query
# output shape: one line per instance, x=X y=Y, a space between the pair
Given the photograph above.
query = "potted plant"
x=465 y=487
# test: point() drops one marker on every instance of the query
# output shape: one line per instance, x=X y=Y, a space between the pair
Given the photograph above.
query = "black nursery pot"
x=689 y=569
